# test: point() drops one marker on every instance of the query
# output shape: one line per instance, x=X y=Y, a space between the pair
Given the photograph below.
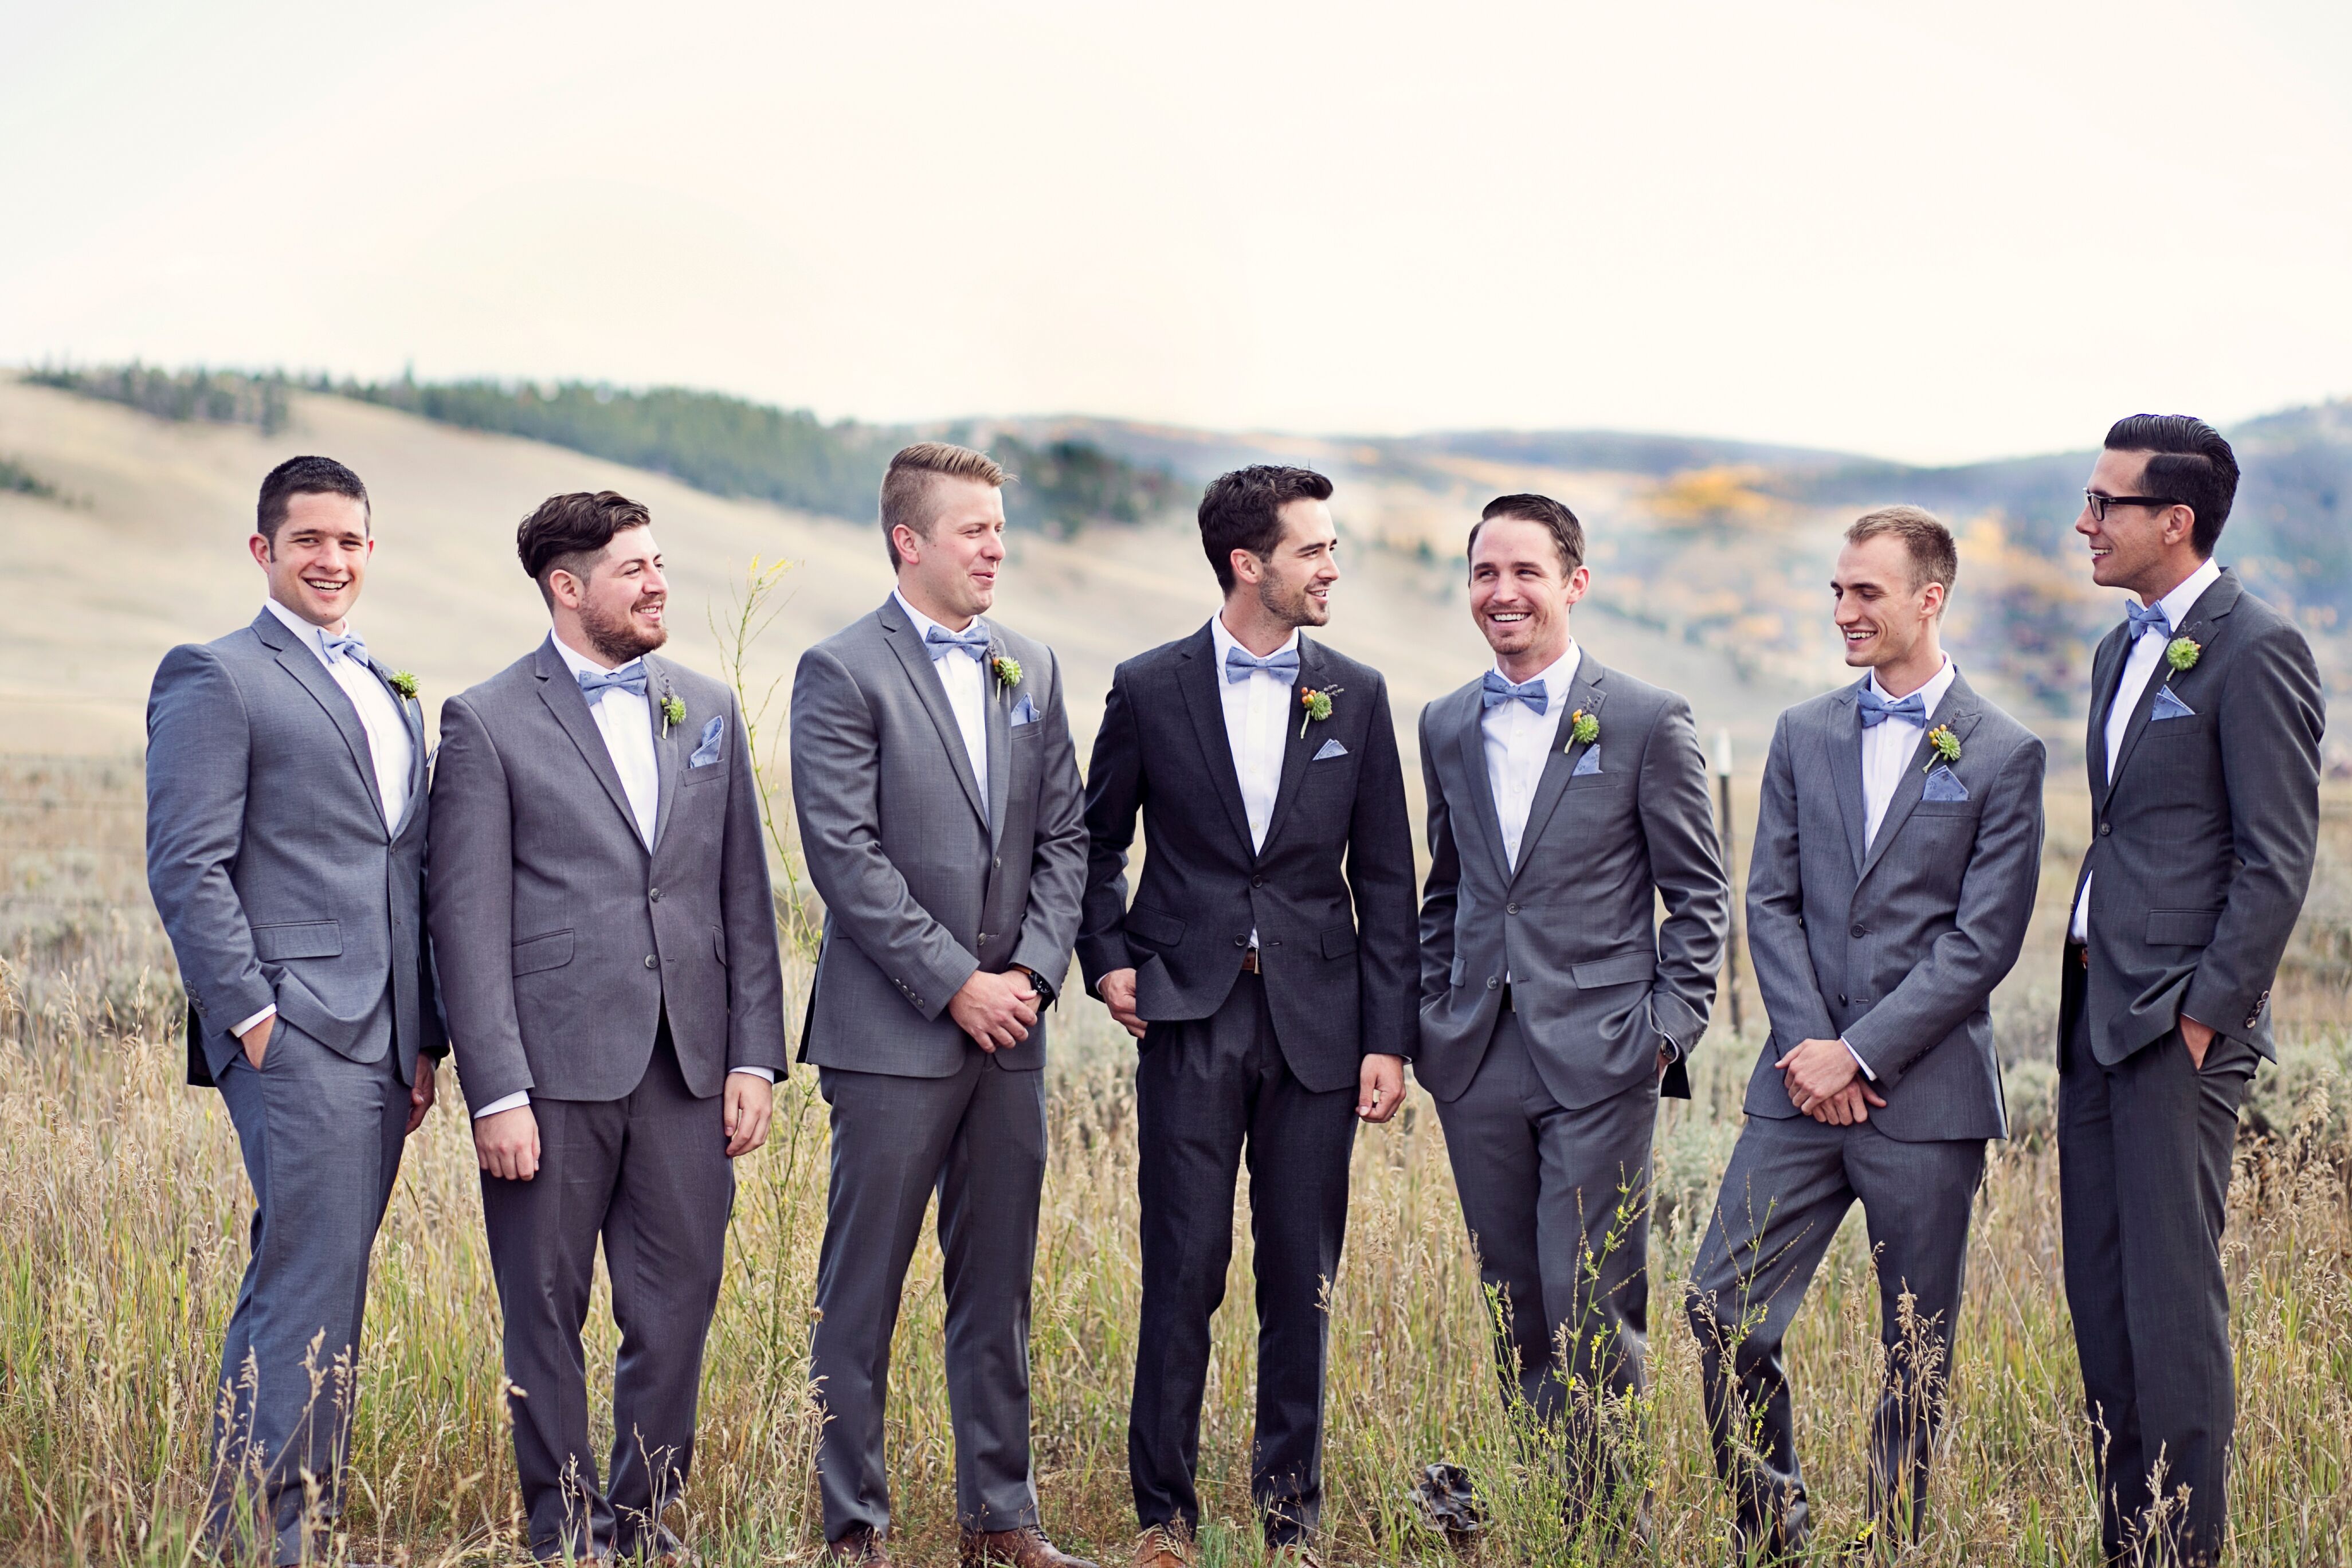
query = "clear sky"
x=1932 y=233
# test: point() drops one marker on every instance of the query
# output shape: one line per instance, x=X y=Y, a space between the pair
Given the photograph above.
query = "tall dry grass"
x=122 y=1205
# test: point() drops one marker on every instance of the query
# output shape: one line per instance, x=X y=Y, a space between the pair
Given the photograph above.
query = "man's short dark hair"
x=2192 y=463
x=304 y=477
x=565 y=533
x=1242 y=510
x=1567 y=533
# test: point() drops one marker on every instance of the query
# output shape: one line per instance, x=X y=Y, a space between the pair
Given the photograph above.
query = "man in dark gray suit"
x=938 y=794
x=2203 y=751
x=606 y=943
x=1266 y=967
x=1565 y=800
x=1898 y=845
x=286 y=819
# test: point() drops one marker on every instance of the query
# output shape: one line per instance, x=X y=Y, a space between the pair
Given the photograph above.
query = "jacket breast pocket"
x=298 y=939
x=703 y=775
x=2181 y=927
x=551 y=951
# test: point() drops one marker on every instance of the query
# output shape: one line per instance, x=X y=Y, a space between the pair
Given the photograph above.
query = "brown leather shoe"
x=1024 y=1548
x=861 y=1548
x=1163 y=1546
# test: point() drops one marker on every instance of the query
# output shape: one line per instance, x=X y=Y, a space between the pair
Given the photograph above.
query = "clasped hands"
x=1825 y=1082
x=1380 y=1082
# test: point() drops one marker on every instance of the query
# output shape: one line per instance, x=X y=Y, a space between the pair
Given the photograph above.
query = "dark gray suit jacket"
x=1597 y=981
x=560 y=939
x=1895 y=945
x=924 y=884
x=2201 y=844
x=1330 y=895
x=276 y=877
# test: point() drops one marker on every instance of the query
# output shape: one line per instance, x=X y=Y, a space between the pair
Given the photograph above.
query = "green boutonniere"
x=404 y=683
x=1943 y=746
x=1583 y=728
x=673 y=712
x=2182 y=653
x=1008 y=669
x=1318 y=704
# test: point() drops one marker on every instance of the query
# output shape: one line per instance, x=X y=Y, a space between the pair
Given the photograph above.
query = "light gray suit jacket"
x=276 y=877
x=1596 y=981
x=1895 y=945
x=924 y=883
x=559 y=939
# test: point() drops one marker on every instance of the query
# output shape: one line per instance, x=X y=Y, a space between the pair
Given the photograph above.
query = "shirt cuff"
x=765 y=1075
x=268 y=1012
x=520 y=1096
x=1857 y=1060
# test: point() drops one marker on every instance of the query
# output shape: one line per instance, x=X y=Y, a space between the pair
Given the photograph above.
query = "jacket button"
x=1258 y=881
x=1510 y=909
x=656 y=895
x=1240 y=941
x=996 y=863
x=1492 y=983
x=984 y=937
x=1842 y=1001
x=652 y=962
x=2103 y=828
x=1862 y=931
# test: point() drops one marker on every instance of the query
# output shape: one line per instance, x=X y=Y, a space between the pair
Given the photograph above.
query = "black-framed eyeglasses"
x=2099 y=503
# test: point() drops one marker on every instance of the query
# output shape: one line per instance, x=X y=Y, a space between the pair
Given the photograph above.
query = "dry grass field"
x=122 y=1204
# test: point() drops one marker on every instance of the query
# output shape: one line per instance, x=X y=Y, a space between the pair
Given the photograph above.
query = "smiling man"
x=286 y=821
x=606 y=942
x=1566 y=799
x=1898 y=846
x=938 y=794
x=2203 y=751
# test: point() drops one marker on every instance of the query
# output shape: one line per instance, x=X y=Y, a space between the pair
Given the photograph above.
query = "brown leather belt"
x=2081 y=951
x=1249 y=962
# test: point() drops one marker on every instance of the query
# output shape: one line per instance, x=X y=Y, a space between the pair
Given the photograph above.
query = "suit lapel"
x=2214 y=603
x=560 y=691
x=1301 y=740
x=412 y=716
x=996 y=707
x=1586 y=694
x=1844 y=744
x=1470 y=741
x=916 y=659
x=2107 y=674
x=1197 y=679
x=666 y=744
x=1958 y=711
x=303 y=665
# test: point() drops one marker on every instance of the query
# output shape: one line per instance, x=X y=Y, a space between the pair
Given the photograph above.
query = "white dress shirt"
x=966 y=680
x=2146 y=653
x=1257 y=713
x=389 y=748
x=1889 y=748
x=1518 y=743
x=626 y=722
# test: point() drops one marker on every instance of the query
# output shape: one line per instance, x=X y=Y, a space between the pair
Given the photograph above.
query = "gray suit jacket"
x=1596 y=981
x=2201 y=844
x=924 y=883
x=277 y=879
x=1895 y=945
x=560 y=941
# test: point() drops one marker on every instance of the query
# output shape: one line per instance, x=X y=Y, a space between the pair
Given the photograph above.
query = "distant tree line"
x=17 y=480
x=217 y=396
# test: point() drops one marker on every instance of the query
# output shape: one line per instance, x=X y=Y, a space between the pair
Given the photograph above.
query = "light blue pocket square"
x=1944 y=784
x=2169 y=706
x=1331 y=749
x=707 y=752
x=1589 y=763
x=1023 y=712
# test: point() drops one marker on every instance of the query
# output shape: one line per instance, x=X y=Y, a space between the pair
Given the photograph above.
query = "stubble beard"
x=618 y=638
x=1291 y=606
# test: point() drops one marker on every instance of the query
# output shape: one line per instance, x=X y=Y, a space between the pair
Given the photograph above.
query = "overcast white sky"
x=1929 y=233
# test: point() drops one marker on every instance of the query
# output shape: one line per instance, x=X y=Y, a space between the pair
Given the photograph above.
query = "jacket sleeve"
x=2272 y=716
x=1776 y=910
x=1116 y=792
x=470 y=874
x=837 y=790
x=1965 y=963
x=1441 y=893
x=1686 y=864
x=1057 y=865
x=198 y=754
x=1380 y=872
x=747 y=904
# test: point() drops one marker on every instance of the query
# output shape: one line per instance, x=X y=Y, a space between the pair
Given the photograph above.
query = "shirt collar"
x=2176 y=604
x=1560 y=676
x=923 y=623
x=1931 y=695
x=1220 y=640
x=314 y=638
x=579 y=664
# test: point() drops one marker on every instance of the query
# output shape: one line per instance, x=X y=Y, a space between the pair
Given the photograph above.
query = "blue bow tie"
x=973 y=640
x=2151 y=619
x=1239 y=664
x=630 y=677
x=1494 y=691
x=1877 y=709
x=345 y=646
